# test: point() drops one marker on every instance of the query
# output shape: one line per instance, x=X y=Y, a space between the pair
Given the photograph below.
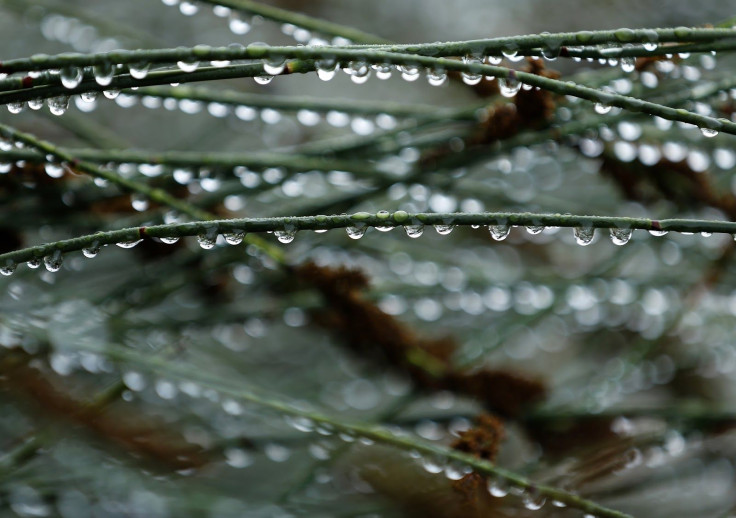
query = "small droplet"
x=54 y=261
x=533 y=500
x=187 y=66
x=91 y=251
x=383 y=71
x=501 y=232
x=498 y=488
x=71 y=77
x=602 y=109
x=285 y=236
x=16 y=108
x=128 y=244
x=103 y=73
x=237 y=25
x=356 y=232
x=54 y=170
x=326 y=68
x=139 y=70
x=89 y=97
x=58 y=105
x=443 y=230
x=263 y=80
x=584 y=235
x=509 y=86
x=234 y=238
x=436 y=77
x=34 y=263
x=111 y=94
x=707 y=132
x=35 y=104
x=628 y=65
x=414 y=231
x=358 y=71
x=535 y=229
x=274 y=66
x=658 y=233
x=620 y=236
x=409 y=72
x=169 y=240
x=471 y=78
x=8 y=269
x=206 y=241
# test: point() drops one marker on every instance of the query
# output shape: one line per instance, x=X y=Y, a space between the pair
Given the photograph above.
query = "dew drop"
x=111 y=94
x=498 y=488
x=169 y=240
x=356 y=232
x=35 y=104
x=128 y=244
x=89 y=97
x=53 y=170
x=535 y=229
x=509 y=87
x=71 y=77
x=602 y=109
x=584 y=235
x=103 y=73
x=326 y=68
x=188 y=8
x=16 y=108
x=58 y=105
x=533 y=501
x=54 y=261
x=436 y=77
x=501 y=232
x=237 y=25
x=91 y=251
x=262 y=80
x=187 y=66
x=707 y=132
x=285 y=236
x=383 y=71
x=274 y=66
x=409 y=72
x=471 y=78
x=34 y=263
x=206 y=241
x=443 y=230
x=8 y=269
x=234 y=238
x=138 y=70
x=358 y=71
x=628 y=64
x=414 y=231
x=432 y=466
x=658 y=233
x=620 y=236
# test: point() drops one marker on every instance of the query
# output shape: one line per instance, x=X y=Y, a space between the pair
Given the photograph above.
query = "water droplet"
x=187 y=66
x=501 y=232
x=285 y=236
x=139 y=70
x=533 y=500
x=356 y=232
x=111 y=94
x=89 y=97
x=358 y=71
x=91 y=251
x=602 y=109
x=436 y=77
x=409 y=72
x=58 y=105
x=383 y=71
x=414 y=231
x=35 y=104
x=432 y=466
x=535 y=229
x=498 y=488
x=237 y=25
x=707 y=132
x=471 y=78
x=443 y=230
x=628 y=64
x=620 y=236
x=188 y=8
x=326 y=68
x=509 y=86
x=277 y=452
x=584 y=235
x=128 y=244
x=234 y=238
x=34 y=263
x=169 y=240
x=54 y=261
x=206 y=241
x=658 y=233
x=71 y=77
x=53 y=170
x=263 y=80
x=8 y=269
x=103 y=73
x=15 y=108
x=274 y=66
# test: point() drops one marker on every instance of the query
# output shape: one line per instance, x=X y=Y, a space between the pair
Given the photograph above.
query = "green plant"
x=154 y=376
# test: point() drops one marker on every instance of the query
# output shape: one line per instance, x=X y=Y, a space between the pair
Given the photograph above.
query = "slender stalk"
x=212 y=228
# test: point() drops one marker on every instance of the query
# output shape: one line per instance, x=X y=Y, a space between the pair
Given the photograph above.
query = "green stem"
x=212 y=228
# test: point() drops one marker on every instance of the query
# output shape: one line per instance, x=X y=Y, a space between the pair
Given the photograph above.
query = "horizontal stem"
x=212 y=228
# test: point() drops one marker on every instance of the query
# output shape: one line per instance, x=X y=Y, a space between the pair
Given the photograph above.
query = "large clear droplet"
x=34 y=263
x=53 y=170
x=169 y=240
x=326 y=68
x=71 y=77
x=54 y=261
x=237 y=25
x=187 y=66
x=285 y=236
x=658 y=233
x=602 y=109
x=498 y=488
x=383 y=71
x=358 y=71
x=139 y=70
x=436 y=77
x=509 y=87
x=35 y=104
x=206 y=241
x=91 y=251
x=443 y=230
x=128 y=244
x=620 y=236
x=103 y=73
x=584 y=235
x=8 y=268
x=58 y=105
x=356 y=232
x=500 y=232
x=263 y=80
x=535 y=229
x=471 y=78
x=707 y=132
x=234 y=238
x=16 y=108
x=409 y=72
x=414 y=231
x=533 y=501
